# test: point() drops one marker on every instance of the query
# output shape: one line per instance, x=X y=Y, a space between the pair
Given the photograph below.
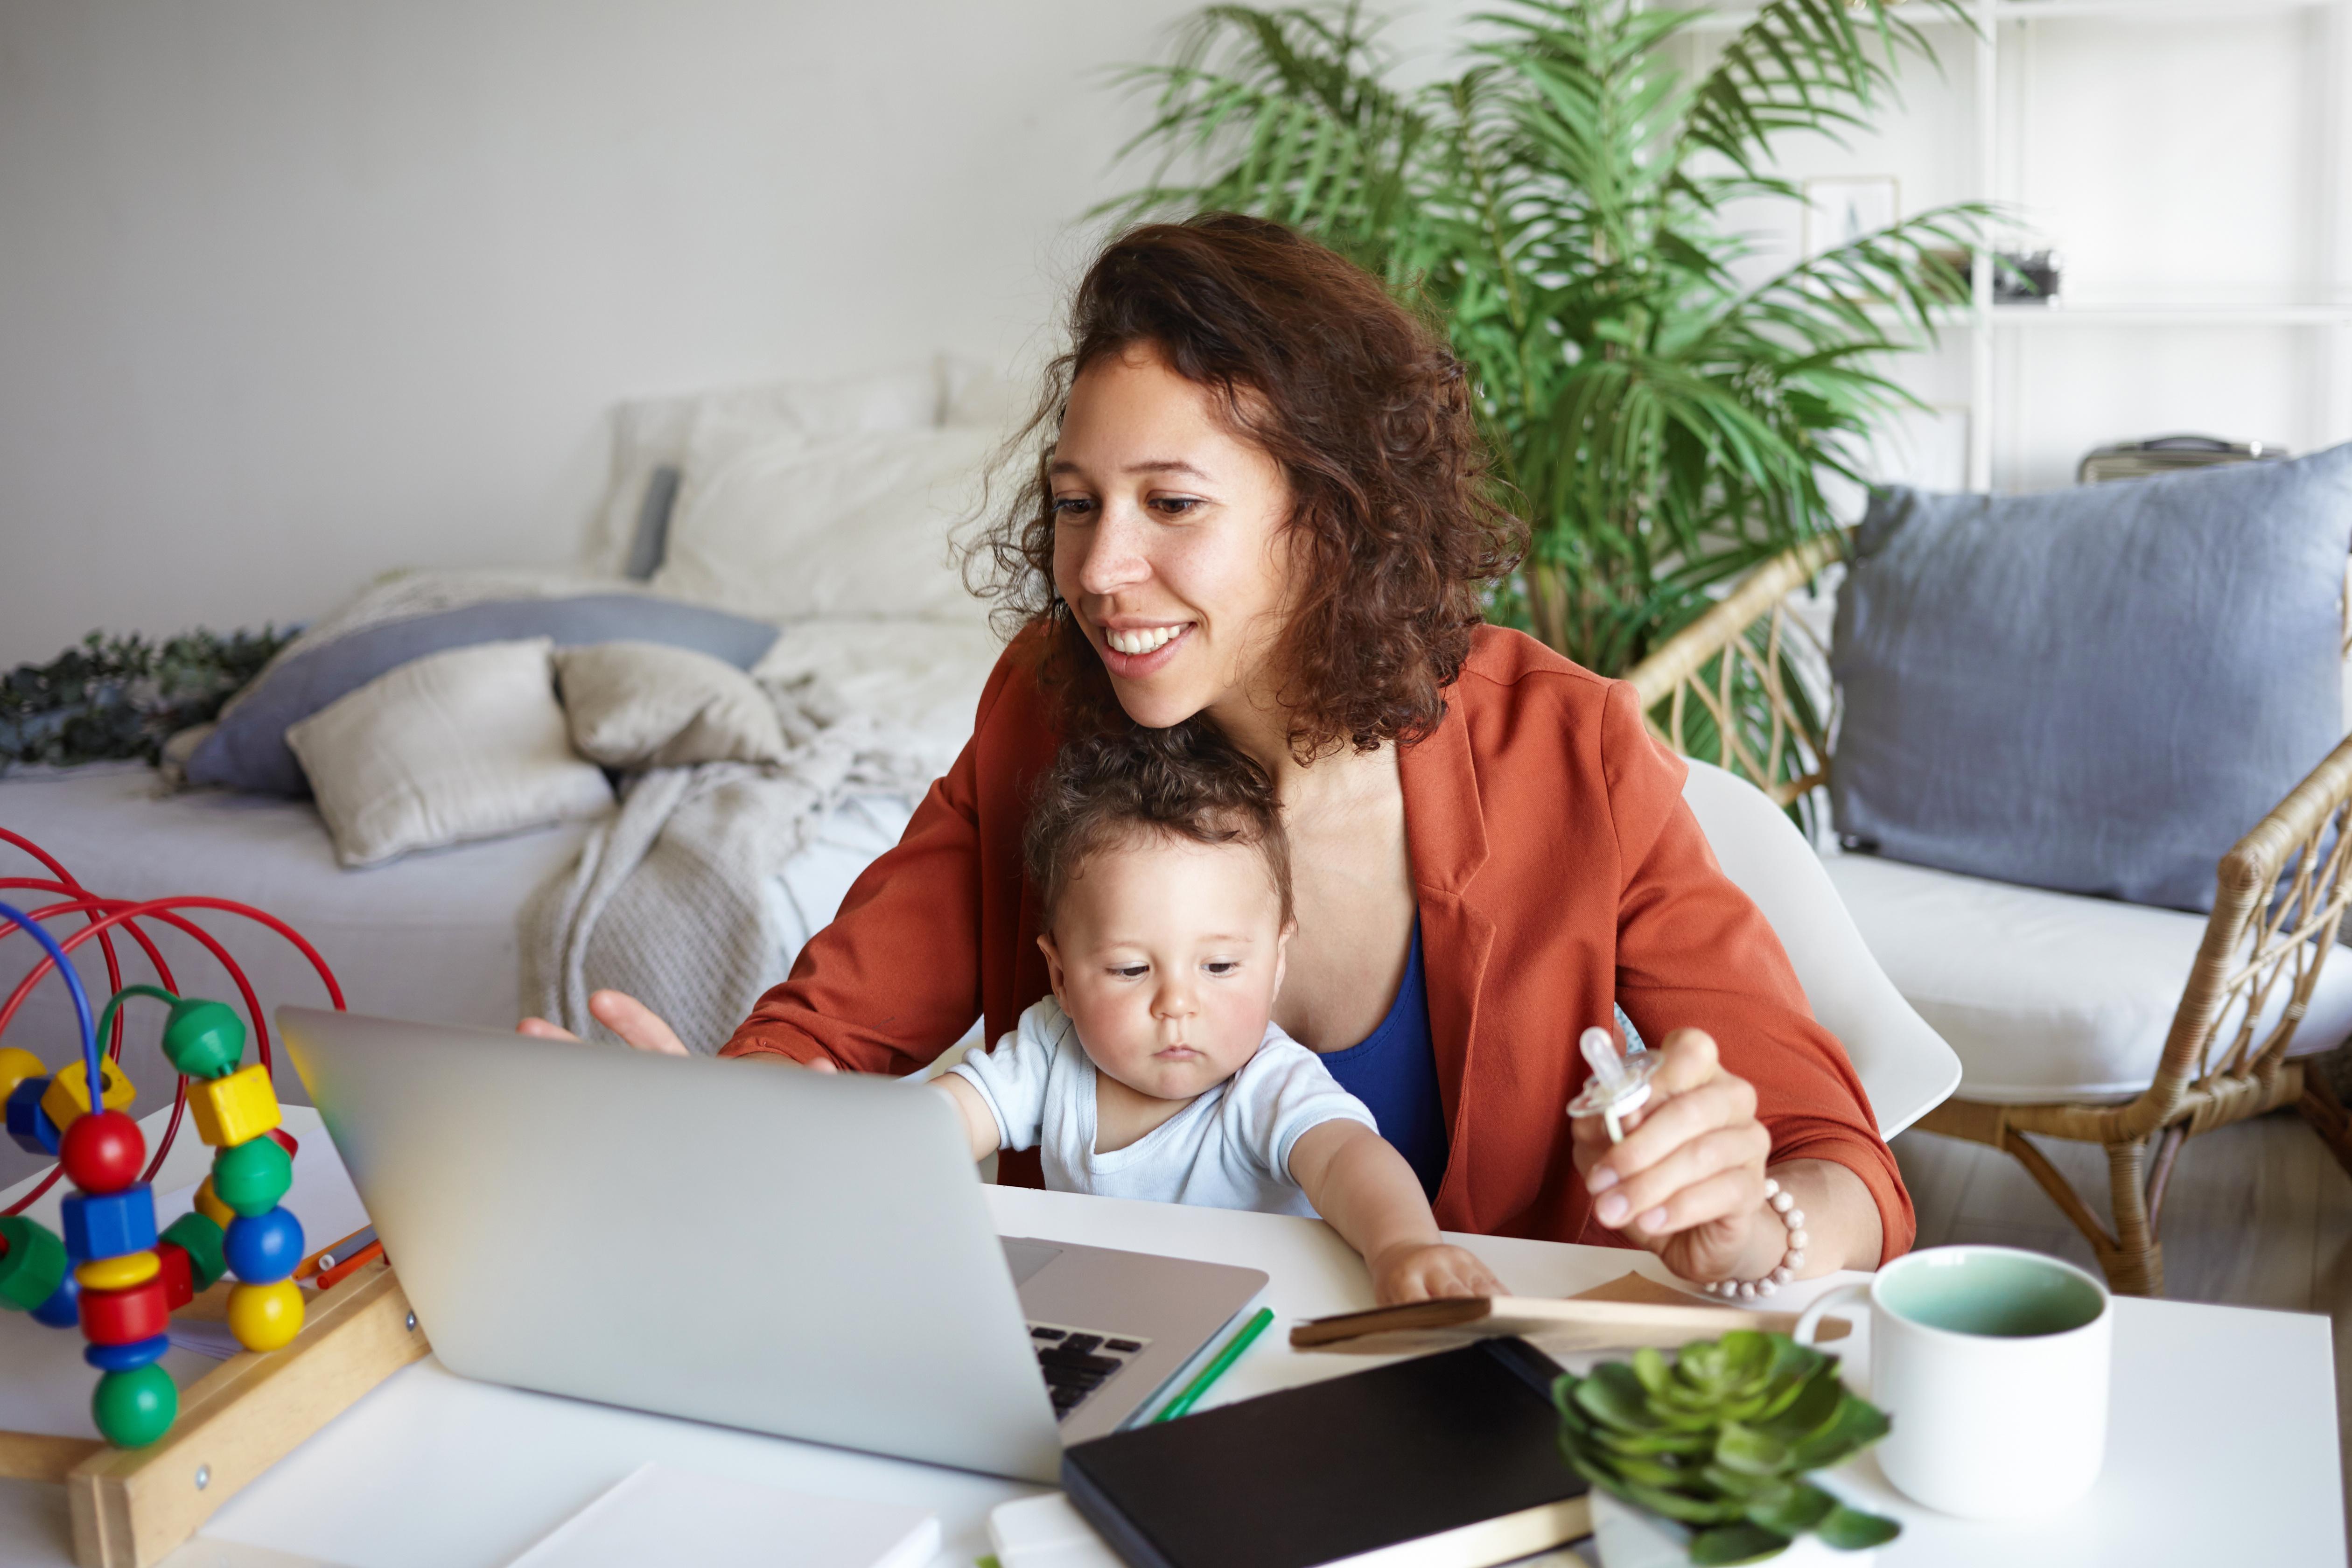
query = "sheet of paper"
x=1046 y=1533
x=45 y=1383
x=658 y=1514
x=210 y=1339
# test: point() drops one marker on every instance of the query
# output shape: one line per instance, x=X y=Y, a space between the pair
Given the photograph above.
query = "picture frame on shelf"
x=1842 y=208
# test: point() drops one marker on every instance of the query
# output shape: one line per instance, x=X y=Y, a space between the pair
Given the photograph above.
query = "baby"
x=1154 y=1070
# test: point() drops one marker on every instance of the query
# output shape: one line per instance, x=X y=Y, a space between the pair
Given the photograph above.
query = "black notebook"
x=1458 y=1453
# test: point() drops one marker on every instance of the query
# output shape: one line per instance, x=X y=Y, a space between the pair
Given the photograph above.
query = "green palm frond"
x=1668 y=415
x=1804 y=64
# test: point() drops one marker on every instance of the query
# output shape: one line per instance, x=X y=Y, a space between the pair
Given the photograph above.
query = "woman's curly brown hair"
x=1394 y=513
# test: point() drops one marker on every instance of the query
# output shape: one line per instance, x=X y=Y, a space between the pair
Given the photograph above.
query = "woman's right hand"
x=640 y=1027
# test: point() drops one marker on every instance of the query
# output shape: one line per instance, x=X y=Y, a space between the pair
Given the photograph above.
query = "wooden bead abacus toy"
x=171 y=1457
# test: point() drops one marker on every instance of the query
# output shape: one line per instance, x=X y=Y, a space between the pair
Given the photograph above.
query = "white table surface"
x=2222 y=1445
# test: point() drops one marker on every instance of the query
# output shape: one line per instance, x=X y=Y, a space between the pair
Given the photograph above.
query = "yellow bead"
x=66 y=1099
x=208 y=1205
x=230 y=1110
x=119 y=1273
x=15 y=1067
x=264 y=1317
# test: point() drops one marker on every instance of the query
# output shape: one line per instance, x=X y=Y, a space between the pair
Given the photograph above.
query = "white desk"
x=2223 y=1446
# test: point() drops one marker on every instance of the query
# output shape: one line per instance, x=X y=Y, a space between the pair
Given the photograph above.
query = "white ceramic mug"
x=1992 y=1365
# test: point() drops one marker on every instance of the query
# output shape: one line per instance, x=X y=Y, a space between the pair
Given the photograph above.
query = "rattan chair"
x=2280 y=898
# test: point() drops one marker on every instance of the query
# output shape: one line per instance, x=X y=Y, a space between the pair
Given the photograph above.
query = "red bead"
x=124 y=1317
x=284 y=1140
x=103 y=1153
x=178 y=1275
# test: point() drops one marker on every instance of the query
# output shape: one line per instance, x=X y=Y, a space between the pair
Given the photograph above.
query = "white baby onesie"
x=1229 y=1149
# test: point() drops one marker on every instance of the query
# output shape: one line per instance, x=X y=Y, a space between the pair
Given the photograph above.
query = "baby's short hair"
x=1187 y=782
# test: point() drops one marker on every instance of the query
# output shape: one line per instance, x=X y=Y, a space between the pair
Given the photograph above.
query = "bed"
x=433 y=935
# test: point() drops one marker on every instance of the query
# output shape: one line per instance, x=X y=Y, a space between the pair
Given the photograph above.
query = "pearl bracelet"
x=1784 y=1208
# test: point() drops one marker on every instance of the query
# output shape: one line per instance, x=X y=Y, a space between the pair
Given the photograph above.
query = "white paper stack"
x=662 y=1515
x=1046 y=1533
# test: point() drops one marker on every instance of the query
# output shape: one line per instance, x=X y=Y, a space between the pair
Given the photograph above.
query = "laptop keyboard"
x=1076 y=1361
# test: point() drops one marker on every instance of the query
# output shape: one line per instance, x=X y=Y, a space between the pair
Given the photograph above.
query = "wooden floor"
x=2259 y=1214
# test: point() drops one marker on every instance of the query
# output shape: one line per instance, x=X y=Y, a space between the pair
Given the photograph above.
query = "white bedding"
x=431 y=936
x=925 y=675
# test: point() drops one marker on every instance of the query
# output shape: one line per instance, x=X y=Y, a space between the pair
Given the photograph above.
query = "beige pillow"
x=455 y=746
x=791 y=530
x=643 y=704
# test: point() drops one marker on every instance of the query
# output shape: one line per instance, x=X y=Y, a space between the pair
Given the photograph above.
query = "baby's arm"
x=1001 y=1093
x=978 y=1121
x=1361 y=1186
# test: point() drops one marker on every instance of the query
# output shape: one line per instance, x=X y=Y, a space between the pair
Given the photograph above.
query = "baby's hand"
x=1418 y=1272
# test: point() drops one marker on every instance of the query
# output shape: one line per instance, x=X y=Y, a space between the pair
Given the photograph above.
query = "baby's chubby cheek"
x=1138 y=1054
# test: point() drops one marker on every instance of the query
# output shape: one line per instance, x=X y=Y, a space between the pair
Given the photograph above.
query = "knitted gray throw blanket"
x=669 y=899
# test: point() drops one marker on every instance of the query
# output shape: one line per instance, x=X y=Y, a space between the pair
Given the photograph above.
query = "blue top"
x=1393 y=1071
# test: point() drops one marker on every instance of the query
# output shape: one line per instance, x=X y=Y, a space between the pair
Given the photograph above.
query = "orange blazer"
x=1557 y=870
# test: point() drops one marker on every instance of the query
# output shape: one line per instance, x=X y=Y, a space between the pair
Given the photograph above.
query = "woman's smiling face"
x=1168 y=540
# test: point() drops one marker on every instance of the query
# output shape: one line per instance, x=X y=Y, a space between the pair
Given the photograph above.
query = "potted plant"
x=1665 y=416
x=1716 y=1445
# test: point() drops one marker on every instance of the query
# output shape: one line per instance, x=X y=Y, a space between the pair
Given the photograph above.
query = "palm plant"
x=1560 y=205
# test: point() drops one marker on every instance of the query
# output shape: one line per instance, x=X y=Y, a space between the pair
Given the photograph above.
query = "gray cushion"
x=2096 y=690
x=651 y=541
x=248 y=750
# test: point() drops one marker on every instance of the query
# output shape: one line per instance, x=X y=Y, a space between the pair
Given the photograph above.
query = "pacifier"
x=1618 y=1083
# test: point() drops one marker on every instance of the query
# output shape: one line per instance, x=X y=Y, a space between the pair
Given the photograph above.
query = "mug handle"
x=1810 y=1319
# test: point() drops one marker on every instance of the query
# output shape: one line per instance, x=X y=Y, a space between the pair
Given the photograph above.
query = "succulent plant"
x=1720 y=1439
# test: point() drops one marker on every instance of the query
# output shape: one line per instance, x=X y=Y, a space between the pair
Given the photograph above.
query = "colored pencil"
x=1182 y=1404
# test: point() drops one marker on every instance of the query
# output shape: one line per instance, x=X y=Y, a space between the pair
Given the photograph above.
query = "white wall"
x=2192 y=158
x=296 y=291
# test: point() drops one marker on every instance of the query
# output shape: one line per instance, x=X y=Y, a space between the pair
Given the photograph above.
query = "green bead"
x=203 y=1039
x=201 y=1239
x=134 y=1408
x=252 y=1178
x=34 y=1267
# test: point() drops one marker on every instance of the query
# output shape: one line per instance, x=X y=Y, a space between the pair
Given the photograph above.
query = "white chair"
x=1904 y=1066
x=2073 y=1017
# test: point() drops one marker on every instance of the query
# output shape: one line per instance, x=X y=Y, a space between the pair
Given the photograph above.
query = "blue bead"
x=29 y=1124
x=263 y=1249
x=63 y=1309
x=107 y=1225
x=125 y=1358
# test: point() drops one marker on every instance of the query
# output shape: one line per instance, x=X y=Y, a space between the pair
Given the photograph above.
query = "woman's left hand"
x=1687 y=1183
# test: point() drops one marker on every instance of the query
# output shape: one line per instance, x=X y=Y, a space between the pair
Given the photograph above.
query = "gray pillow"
x=2096 y=690
x=248 y=750
x=646 y=705
x=452 y=747
x=651 y=541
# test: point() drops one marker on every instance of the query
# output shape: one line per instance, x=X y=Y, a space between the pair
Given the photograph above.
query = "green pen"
x=1182 y=1404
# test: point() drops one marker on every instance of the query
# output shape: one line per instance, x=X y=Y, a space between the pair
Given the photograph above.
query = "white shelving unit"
x=2000 y=26
x=1997 y=22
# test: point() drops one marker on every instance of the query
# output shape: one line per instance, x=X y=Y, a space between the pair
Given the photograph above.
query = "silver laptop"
x=806 y=1254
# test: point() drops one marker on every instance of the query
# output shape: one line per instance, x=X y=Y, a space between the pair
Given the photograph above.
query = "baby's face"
x=1167 y=954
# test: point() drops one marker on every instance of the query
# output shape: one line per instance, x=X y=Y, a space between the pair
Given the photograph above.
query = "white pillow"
x=648 y=433
x=643 y=704
x=858 y=527
x=465 y=744
x=983 y=395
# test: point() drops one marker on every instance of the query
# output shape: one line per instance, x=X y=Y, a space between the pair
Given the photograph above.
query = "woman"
x=1265 y=507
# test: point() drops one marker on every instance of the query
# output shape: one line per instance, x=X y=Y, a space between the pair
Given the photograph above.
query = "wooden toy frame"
x=132 y=1506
